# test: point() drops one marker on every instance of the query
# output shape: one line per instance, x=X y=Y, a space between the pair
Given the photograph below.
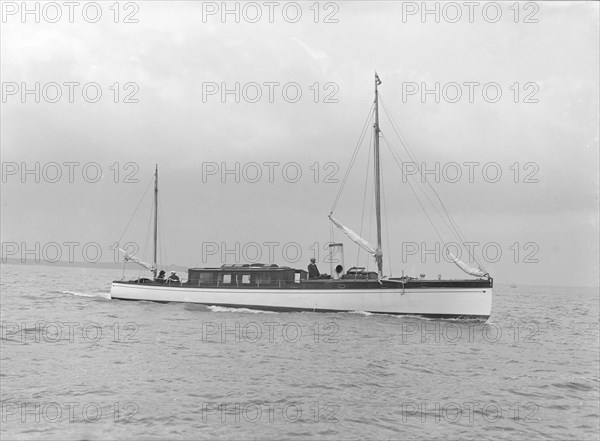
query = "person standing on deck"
x=313 y=271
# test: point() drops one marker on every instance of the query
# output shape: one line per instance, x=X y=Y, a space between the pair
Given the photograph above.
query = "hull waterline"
x=473 y=303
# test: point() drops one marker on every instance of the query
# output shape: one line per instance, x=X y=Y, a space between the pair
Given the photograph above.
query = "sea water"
x=77 y=365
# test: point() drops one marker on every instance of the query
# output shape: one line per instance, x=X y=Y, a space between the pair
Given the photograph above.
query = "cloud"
x=172 y=54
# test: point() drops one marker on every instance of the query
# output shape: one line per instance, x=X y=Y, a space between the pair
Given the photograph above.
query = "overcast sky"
x=178 y=57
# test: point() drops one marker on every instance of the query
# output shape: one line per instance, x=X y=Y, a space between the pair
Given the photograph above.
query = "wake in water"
x=365 y=313
x=251 y=311
x=100 y=294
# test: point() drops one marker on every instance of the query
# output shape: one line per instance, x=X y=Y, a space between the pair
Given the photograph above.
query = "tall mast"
x=155 y=218
x=379 y=256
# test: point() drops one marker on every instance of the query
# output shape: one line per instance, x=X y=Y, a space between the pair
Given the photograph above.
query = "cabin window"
x=226 y=278
x=245 y=278
x=206 y=278
x=264 y=278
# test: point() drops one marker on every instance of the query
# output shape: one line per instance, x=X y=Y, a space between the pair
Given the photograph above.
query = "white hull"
x=436 y=302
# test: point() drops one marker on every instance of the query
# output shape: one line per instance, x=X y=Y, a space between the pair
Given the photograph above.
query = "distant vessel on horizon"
x=275 y=288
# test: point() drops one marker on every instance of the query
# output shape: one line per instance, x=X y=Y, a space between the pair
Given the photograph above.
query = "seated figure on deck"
x=313 y=271
x=173 y=277
x=161 y=277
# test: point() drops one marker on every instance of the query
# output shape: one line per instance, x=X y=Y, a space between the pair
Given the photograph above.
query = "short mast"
x=154 y=262
x=379 y=256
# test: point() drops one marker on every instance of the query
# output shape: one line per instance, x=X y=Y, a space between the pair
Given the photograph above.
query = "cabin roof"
x=254 y=267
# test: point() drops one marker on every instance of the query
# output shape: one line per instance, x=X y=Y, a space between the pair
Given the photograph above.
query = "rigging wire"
x=451 y=223
x=371 y=220
x=423 y=178
x=394 y=155
x=418 y=186
x=450 y=220
x=356 y=149
x=364 y=198
x=145 y=253
x=385 y=220
x=162 y=248
x=136 y=209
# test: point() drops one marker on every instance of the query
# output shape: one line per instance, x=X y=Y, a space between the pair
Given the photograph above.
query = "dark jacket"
x=313 y=271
